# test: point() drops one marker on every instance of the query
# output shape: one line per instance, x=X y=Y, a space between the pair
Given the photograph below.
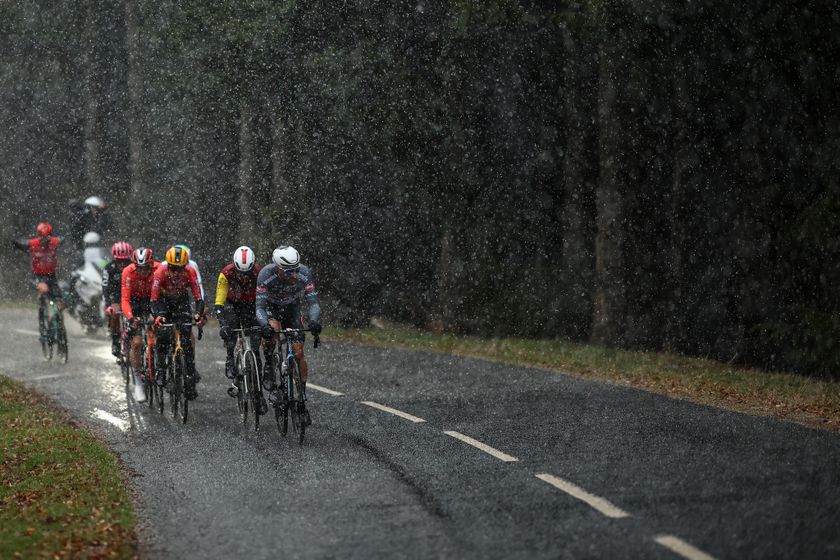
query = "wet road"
x=416 y=455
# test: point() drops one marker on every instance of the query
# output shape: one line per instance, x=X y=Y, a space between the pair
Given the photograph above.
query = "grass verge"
x=805 y=400
x=62 y=492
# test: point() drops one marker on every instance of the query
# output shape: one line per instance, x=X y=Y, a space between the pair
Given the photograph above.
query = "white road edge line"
x=393 y=411
x=600 y=504
x=482 y=446
x=682 y=548
x=25 y=331
x=50 y=376
x=311 y=385
x=110 y=418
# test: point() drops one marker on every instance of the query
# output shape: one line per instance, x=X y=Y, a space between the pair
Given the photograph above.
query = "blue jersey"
x=280 y=288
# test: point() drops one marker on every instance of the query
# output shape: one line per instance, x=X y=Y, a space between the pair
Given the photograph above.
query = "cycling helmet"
x=177 y=256
x=121 y=250
x=95 y=202
x=243 y=259
x=286 y=257
x=91 y=238
x=142 y=256
x=187 y=249
x=44 y=229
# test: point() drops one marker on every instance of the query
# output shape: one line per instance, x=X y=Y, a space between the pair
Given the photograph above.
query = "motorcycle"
x=85 y=289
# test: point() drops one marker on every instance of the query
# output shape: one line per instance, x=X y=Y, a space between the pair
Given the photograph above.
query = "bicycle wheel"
x=181 y=376
x=61 y=338
x=254 y=385
x=296 y=403
x=241 y=388
x=44 y=329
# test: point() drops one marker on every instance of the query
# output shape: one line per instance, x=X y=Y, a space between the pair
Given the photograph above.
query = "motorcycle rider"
x=111 y=286
x=90 y=216
x=86 y=283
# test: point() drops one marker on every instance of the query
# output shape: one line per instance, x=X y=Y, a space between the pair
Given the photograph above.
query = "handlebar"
x=287 y=332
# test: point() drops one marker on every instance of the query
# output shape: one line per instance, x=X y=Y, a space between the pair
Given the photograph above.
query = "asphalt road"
x=574 y=469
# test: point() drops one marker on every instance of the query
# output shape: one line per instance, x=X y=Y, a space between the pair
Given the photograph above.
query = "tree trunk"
x=608 y=316
x=580 y=173
x=135 y=98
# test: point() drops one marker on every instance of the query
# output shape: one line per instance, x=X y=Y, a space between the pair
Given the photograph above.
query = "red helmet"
x=44 y=229
x=121 y=250
x=142 y=256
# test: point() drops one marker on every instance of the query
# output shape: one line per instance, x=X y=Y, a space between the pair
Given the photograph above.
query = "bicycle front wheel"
x=296 y=404
x=255 y=389
x=180 y=377
x=61 y=338
x=44 y=331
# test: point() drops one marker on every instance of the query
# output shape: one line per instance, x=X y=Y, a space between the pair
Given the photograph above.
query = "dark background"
x=645 y=174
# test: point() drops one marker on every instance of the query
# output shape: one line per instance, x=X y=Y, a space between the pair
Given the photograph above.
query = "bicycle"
x=51 y=328
x=154 y=392
x=292 y=398
x=176 y=372
x=125 y=346
x=249 y=378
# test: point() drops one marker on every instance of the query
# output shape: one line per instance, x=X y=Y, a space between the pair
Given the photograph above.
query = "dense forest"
x=644 y=174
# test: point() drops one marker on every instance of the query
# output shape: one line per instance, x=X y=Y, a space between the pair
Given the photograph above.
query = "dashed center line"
x=50 y=376
x=310 y=385
x=682 y=548
x=110 y=418
x=482 y=446
x=600 y=504
x=393 y=411
x=25 y=331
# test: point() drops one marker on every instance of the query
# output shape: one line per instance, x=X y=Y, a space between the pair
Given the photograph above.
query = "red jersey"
x=44 y=259
x=136 y=284
x=168 y=284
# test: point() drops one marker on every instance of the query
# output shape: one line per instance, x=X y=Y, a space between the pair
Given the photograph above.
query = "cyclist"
x=42 y=249
x=89 y=216
x=172 y=285
x=134 y=300
x=236 y=291
x=280 y=288
x=111 y=286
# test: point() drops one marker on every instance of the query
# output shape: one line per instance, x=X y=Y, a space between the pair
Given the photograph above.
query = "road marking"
x=51 y=376
x=108 y=417
x=220 y=362
x=394 y=411
x=311 y=385
x=25 y=331
x=482 y=446
x=682 y=548
x=600 y=504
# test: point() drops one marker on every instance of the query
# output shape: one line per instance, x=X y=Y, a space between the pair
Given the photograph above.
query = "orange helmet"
x=44 y=229
x=177 y=256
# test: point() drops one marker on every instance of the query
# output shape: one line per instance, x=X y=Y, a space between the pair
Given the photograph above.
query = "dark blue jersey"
x=279 y=288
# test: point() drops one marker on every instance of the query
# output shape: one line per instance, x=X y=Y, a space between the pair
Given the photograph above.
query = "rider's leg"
x=297 y=348
x=114 y=328
x=135 y=353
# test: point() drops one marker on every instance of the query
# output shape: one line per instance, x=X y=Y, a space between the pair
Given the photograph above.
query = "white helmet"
x=286 y=257
x=243 y=259
x=95 y=201
x=91 y=238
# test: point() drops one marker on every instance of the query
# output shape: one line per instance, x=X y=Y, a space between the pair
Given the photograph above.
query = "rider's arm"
x=106 y=289
x=198 y=277
x=22 y=244
x=221 y=290
x=311 y=294
x=157 y=279
x=262 y=297
x=125 y=296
